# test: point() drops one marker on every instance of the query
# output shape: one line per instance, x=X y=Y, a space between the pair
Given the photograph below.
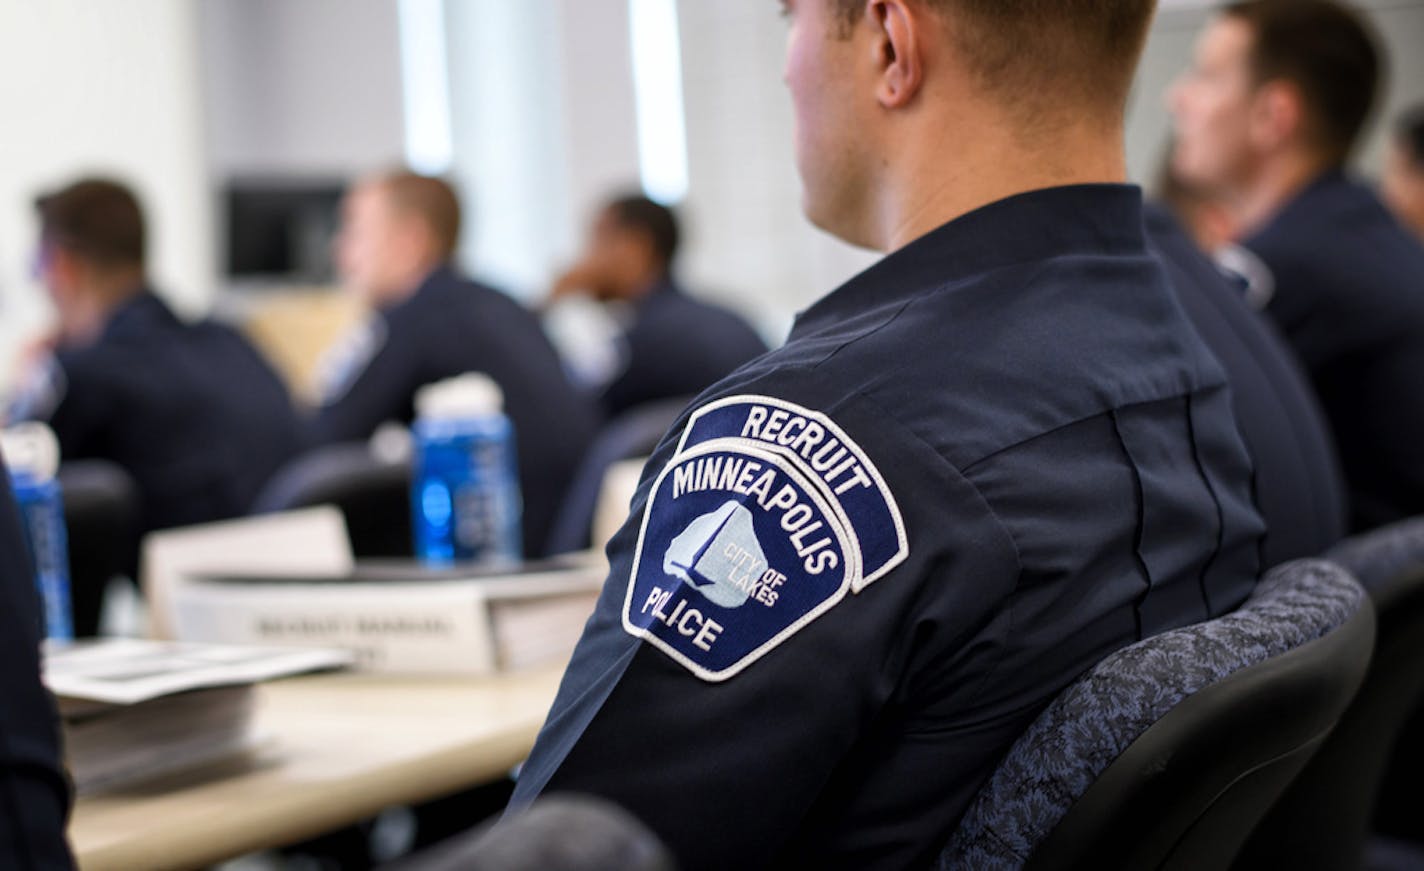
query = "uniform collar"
x=661 y=289
x=1027 y=227
x=441 y=276
x=1319 y=198
x=137 y=313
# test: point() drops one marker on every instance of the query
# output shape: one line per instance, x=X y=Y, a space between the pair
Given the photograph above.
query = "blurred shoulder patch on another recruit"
x=339 y=368
x=766 y=517
x=39 y=392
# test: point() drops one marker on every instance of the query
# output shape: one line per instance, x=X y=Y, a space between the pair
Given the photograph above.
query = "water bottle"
x=32 y=454
x=465 y=497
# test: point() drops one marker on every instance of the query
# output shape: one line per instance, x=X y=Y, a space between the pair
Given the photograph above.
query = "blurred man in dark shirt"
x=1267 y=117
x=672 y=345
x=395 y=251
x=192 y=413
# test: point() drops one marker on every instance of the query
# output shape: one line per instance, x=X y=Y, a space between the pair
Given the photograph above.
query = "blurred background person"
x=394 y=251
x=669 y=344
x=1403 y=183
x=1267 y=117
x=192 y=413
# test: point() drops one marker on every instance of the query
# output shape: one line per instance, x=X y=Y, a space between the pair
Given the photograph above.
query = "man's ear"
x=1277 y=115
x=897 y=48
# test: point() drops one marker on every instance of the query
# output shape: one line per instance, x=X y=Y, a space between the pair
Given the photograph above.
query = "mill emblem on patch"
x=746 y=540
x=719 y=554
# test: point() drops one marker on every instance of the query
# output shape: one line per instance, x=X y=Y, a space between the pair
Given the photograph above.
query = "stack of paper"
x=138 y=710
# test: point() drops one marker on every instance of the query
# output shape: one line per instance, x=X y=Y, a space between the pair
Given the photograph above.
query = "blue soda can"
x=465 y=499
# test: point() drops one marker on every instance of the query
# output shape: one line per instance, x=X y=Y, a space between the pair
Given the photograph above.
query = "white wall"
x=301 y=86
x=101 y=87
x=511 y=154
x=544 y=128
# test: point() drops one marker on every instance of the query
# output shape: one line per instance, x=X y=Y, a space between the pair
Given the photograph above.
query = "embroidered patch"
x=747 y=539
x=340 y=367
x=825 y=454
x=39 y=392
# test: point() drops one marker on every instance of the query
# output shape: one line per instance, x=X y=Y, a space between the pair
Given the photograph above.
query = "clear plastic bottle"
x=32 y=456
x=465 y=499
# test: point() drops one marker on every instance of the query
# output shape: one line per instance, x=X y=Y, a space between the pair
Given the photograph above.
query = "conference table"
x=333 y=750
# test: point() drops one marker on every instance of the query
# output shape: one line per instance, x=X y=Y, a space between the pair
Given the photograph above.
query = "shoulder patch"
x=822 y=451
x=41 y=389
x=342 y=365
x=764 y=519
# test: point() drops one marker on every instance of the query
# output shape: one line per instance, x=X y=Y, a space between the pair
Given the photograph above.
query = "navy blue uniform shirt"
x=263 y=423
x=1349 y=295
x=859 y=567
x=34 y=793
x=1299 y=488
x=150 y=395
x=678 y=346
x=448 y=327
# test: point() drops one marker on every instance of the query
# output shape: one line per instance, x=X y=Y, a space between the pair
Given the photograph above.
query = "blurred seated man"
x=395 y=248
x=672 y=345
x=32 y=780
x=1298 y=484
x=198 y=421
x=1206 y=217
x=1404 y=171
x=1272 y=108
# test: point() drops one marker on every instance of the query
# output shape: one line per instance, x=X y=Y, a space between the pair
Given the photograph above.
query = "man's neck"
x=937 y=188
x=1279 y=181
x=87 y=320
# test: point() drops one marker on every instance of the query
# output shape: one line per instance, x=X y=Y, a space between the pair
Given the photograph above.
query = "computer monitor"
x=281 y=230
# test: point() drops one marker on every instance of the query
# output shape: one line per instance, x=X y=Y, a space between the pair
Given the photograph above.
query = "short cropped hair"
x=97 y=219
x=430 y=199
x=654 y=220
x=1036 y=52
x=1409 y=130
x=1323 y=48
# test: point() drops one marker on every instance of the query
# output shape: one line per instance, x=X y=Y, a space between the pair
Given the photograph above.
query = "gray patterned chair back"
x=1373 y=759
x=1168 y=752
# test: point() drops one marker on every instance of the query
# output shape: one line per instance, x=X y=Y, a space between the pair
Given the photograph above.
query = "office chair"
x=566 y=832
x=1168 y=752
x=372 y=492
x=634 y=433
x=101 y=516
x=1324 y=818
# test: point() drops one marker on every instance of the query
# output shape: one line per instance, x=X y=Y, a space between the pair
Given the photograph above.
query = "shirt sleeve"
x=794 y=600
x=34 y=794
